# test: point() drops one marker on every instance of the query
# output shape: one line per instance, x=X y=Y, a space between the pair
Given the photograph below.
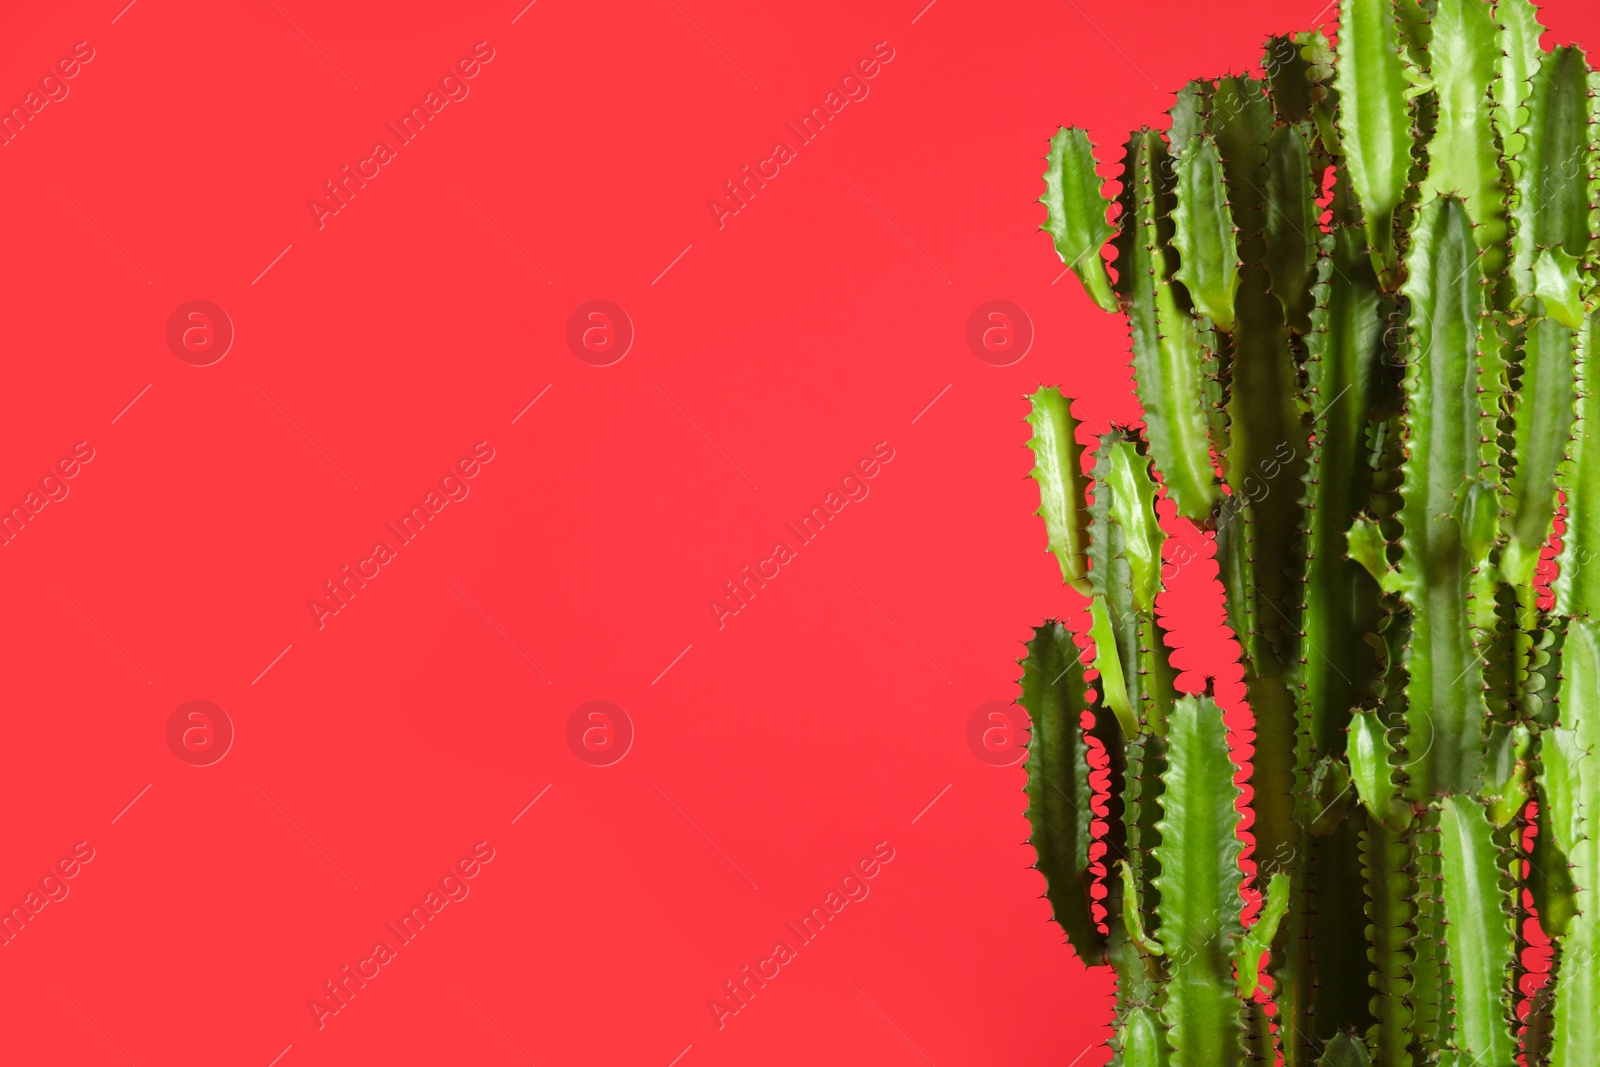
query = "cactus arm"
x=1464 y=157
x=1146 y=764
x=1333 y=914
x=1113 y=683
x=1506 y=787
x=1260 y=519
x=1260 y=1038
x=1135 y=675
x=1282 y=788
x=1191 y=110
x=1140 y=1037
x=1544 y=415
x=1266 y=427
x=1143 y=1044
x=1146 y=205
x=1524 y=59
x=1558 y=282
x=1481 y=942
x=1132 y=507
x=1561 y=109
x=1132 y=919
x=1415 y=25
x=1319 y=56
x=1345 y=1051
x=1371 y=755
x=1058 y=468
x=1129 y=489
x=1444 y=712
x=1125 y=561
x=1268 y=450
x=1125 y=552
x=1375 y=119
x=1556 y=189
x=1076 y=210
x=1575 y=815
x=1386 y=857
x=1431 y=989
x=1269 y=439
x=1261 y=549
x=1447 y=518
x=1520 y=60
x=1292 y=216
x=1258 y=939
x=1577 y=583
x=1550 y=207
x=1520 y=56
x=1405 y=990
x=1368 y=547
x=1200 y=888
x=1290 y=80
x=1059 y=793
x=1236 y=113
x=1346 y=377
x=1233 y=570
x=1276 y=773
x=1207 y=250
x=1479 y=512
x=1117 y=640
x=1193 y=116
x=1560 y=829
x=1240 y=118
x=1550 y=870
x=1190 y=479
x=1159 y=687
x=1167 y=355
x=1536 y=1033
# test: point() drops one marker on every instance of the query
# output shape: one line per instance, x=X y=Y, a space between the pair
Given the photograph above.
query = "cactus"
x=1362 y=291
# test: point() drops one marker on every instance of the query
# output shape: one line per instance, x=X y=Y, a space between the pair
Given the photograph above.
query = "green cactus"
x=1362 y=291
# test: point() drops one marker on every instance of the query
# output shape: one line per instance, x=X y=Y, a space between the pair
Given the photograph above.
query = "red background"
x=819 y=721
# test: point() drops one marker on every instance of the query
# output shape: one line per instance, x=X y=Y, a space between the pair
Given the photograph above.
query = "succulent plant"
x=1361 y=292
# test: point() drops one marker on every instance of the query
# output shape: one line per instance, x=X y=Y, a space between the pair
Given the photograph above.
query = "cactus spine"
x=1361 y=294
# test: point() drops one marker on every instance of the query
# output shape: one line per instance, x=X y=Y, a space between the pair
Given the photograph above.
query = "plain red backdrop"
x=773 y=354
